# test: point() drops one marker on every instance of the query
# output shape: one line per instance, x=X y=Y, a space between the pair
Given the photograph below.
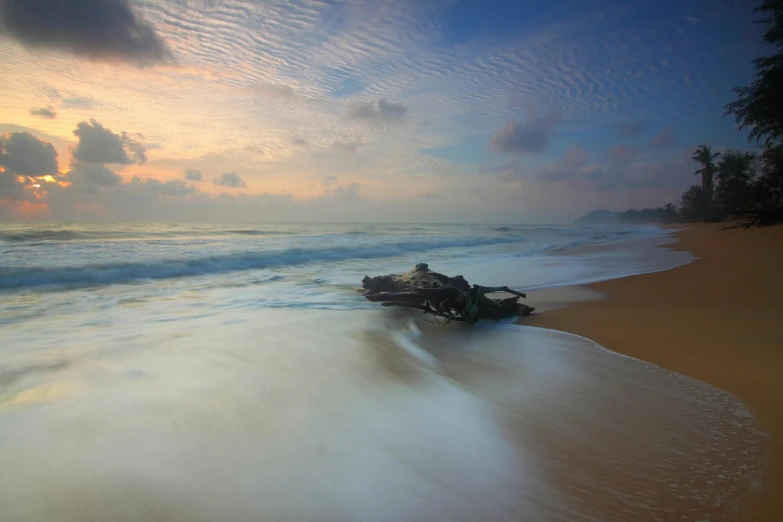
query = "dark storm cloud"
x=44 y=112
x=193 y=175
x=24 y=154
x=631 y=128
x=106 y=30
x=530 y=137
x=230 y=179
x=98 y=144
x=379 y=112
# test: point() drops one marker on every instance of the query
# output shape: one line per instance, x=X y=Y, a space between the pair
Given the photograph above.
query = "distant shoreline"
x=716 y=319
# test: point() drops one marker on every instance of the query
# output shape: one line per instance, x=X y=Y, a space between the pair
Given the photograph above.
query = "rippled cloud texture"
x=360 y=110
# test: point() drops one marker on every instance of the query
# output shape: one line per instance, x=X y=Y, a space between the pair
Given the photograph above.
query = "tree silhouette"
x=759 y=106
x=694 y=204
x=704 y=155
x=736 y=171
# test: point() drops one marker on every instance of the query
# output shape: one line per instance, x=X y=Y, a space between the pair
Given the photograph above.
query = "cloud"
x=378 y=112
x=348 y=192
x=572 y=164
x=230 y=179
x=253 y=149
x=276 y=92
x=101 y=30
x=98 y=144
x=328 y=180
x=11 y=187
x=444 y=169
x=193 y=175
x=299 y=141
x=531 y=137
x=664 y=137
x=670 y=175
x=348 y=147
x=156 y=187
x=631 y=128
x=24 y=154
x=44 y=112
x=80 y=102
x=622 y=153
x=88 y=177
x=509 y=172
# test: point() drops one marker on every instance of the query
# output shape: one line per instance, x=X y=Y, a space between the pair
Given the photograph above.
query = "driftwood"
x=452 y=298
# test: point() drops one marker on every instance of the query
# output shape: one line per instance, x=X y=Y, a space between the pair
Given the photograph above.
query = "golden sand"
x=718 y=319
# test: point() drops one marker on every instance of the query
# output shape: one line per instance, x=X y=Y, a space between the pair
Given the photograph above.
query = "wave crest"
x=107 y=273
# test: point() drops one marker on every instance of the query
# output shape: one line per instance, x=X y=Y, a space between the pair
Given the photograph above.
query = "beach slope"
x=718 y=319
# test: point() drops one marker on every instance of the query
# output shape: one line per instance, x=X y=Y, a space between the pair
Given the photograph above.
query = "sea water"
x=234 y=372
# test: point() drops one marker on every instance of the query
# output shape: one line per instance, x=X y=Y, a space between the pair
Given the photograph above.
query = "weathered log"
x=449 y=297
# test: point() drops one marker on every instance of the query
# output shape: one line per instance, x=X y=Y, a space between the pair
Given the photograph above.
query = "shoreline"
x=716 y=319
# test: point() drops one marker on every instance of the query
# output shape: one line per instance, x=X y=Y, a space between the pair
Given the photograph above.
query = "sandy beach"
x=718 y=320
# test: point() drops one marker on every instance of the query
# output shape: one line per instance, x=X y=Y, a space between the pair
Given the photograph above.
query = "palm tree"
x=706 y=158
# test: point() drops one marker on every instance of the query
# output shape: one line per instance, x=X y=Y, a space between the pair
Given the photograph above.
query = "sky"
x=381 y=110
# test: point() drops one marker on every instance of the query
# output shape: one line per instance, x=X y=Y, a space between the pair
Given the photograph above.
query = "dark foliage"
x=667 y=214
x=694 y=204
x=759 y=106
x=735 y=191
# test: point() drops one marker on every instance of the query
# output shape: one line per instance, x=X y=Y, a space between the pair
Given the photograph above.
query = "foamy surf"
x=343 y=416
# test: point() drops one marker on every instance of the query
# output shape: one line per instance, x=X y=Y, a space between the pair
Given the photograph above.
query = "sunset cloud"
x=193 y=175
x=378 y=112
x=230 y=179
x=24 y=154
x=98 y=144
x=105 y=30
x=401 y=98
x=47 y=113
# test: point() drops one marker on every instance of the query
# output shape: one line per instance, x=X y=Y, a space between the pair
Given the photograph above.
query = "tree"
x=667 y=214
x=736 y=170
x=703 y=155
x=768 y=188
x=759 y=106
x=670 y=214
x=772 y=166
x=695 y=204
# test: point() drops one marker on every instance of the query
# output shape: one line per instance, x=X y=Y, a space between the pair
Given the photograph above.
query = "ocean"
x=234 y=372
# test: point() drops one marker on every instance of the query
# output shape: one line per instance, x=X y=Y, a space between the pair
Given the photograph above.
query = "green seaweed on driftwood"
x=452 y=298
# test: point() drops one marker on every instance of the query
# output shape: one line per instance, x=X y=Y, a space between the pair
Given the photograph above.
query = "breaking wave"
x=107 y=273
x=104 y=235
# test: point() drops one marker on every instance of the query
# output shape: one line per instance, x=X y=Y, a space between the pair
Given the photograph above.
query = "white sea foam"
x=328 y=416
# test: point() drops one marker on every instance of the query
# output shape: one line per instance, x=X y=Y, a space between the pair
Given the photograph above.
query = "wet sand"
x=718 y=320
